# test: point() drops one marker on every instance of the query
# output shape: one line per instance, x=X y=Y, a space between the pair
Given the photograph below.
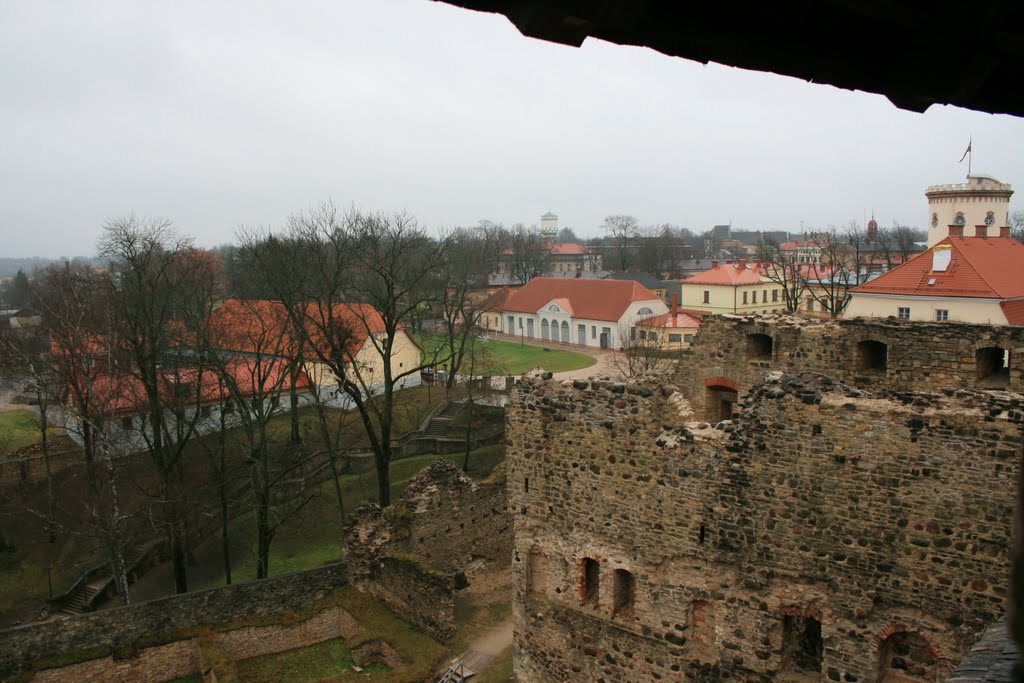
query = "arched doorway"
x=721 y=395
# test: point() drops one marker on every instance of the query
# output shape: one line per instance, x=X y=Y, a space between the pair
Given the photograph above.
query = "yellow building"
x=730 y=287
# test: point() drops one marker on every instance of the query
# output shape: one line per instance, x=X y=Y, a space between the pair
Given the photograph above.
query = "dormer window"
x=645 y=311
x=553 y=308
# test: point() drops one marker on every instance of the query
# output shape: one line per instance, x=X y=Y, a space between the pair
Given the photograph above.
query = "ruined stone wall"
x=256 y=641
x=826 y=531
x=151 y=665
x=409 y=555
x=122 y=629
x=916 y=356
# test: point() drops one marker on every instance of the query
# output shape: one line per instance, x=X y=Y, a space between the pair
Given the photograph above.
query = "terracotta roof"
x=568 y=249
x=496 y=300
x=1014 y=311
x=261 y=325
x=118 y=393
x=590 y=299
x=988 y=268
x=727 y=274
x=673 y=319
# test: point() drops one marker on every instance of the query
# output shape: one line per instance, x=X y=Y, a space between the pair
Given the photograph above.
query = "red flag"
x=966 y=152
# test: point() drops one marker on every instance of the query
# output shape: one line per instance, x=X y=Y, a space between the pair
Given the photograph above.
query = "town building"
x=599 y=313
x=672 y=331
x=732 y=287
x=565 y=259
x=982 y=201
x=977 y=279
x=665 y=289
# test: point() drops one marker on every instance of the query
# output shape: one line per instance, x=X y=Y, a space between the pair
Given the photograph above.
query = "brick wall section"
x=152 y=665
x=122 y=628
x=921 y=356
x=257 y=641
x=421 y=597
x=871 y=513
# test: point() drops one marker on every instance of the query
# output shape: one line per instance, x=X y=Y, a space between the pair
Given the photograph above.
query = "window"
x=204 y=411
x=941 y=315
x=993 y=366
x=624 y=594
x=907 y=656
x=256 y=405
x=675 y=338
x=764 y=296
x=645 y=311
x=775 y=295
x=687 y=338
x=759 y=347
x=591 y=581
x=990 y=219
x=959 y=220
x=872 y=355
x=903 y=313
x=707 y=296
x=229 y=408
x=754 y=299
x=593 y=331
x=744 y=297
x=801 y=643
x=810 y=303
x=553 y=308
x=127 y=423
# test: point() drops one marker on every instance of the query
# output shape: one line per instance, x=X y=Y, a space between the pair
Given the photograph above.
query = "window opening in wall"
x=701 y=534
x=759 y=347
x=591 y=580
x=993 y=366
x=801 y=644
x=126 y=423
x=526 y=485
x=707 y=296
x=905 y=657
x=702 y=622
x=624 y=595
x=903 y=313
x=744 y=297
x=775 y=295
x=941 y=315
x=872 y=355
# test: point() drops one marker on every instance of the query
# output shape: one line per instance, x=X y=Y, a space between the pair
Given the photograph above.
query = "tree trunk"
x=51 y=531
x=293 y=397
x=469 y=433
x=225 y=540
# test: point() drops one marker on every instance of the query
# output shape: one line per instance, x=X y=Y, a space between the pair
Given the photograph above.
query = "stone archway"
x=721 y=395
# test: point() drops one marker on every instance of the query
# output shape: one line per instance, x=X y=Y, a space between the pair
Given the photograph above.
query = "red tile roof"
x=727 y=274
x=1014 y=311
x=562 y=249
x=590 y=299
x=988 y=268
x=261 y=326
x=672 y=319
x=496 y=300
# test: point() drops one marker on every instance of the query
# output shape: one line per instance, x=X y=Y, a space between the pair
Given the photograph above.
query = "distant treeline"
x=10 y=265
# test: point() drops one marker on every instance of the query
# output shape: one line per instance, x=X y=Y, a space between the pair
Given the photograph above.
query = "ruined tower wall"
x=916 y=356
x=858 y=514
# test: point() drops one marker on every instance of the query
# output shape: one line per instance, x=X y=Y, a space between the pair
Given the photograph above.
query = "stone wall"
x=827 y=531
x=894 y=354
x=151 y=664
x=122 y=629
x=256 y=641
x=410 y=554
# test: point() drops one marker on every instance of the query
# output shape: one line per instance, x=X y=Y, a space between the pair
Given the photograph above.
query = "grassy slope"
x=509 y=358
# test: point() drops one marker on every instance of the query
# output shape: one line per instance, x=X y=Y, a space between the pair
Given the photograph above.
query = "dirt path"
x=483 y=613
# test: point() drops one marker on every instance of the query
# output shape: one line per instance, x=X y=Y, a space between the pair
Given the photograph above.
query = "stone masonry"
x=829 y=531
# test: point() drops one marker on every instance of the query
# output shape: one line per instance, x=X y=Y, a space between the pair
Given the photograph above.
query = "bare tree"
x=528 y=256
x=844 y=254
x=1017 y=225
x=784 y=269
x=645 y=353
x=161 y=289
x=622 y=231
x=371 y=273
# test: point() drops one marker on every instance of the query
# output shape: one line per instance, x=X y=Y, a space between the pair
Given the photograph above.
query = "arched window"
x=553 y=308
x=935 y=219
x=645 y=311
x=624 y=595
x=544 y=333
x=990 y=219
x=993 y=366
x=959 y=220
x=906 y=656
x=872 y=355
x=565 y=332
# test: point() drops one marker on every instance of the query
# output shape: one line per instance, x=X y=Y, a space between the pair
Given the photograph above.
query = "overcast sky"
x=221 y=114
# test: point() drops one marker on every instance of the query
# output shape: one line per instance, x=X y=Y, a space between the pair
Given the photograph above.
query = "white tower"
x=981 y=201
x=549 y=226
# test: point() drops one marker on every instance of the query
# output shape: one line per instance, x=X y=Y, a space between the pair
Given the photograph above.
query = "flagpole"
x=970 y=154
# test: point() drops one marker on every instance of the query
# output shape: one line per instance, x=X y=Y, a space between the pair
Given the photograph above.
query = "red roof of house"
x=671 y=320
x=727 y=274
x=590 y=299
x=496 y=300
x=261 y=325
x=561 y=249
x=1014 y=311
x=981 y=267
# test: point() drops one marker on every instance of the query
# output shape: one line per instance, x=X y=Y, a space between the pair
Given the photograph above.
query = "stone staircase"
x=83 y=597
x=442 y=422
x=456 y=673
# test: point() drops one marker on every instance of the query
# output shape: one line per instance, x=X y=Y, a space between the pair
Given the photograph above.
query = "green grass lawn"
x=329 y=659
x=497 y=357
x=312 y=537
x=18 y=428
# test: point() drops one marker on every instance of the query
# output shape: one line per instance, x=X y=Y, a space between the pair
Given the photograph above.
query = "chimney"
x=981 y=231
x=742 y=263
x=714 y=263
x=956 y=231
x=1004 y=231
x=675 y=304
x=728 y=261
